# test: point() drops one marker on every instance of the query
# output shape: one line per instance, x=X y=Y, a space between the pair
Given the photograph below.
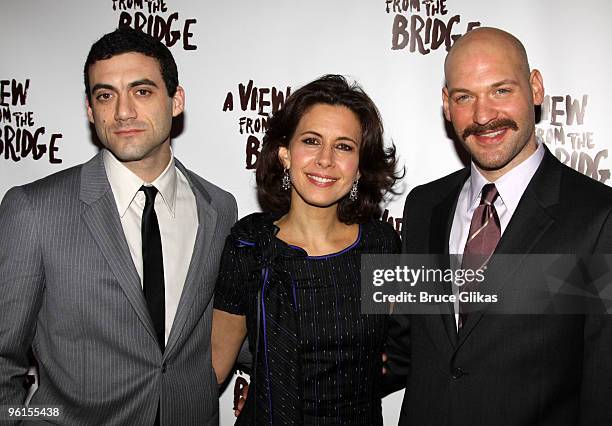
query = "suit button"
x=457 y=372
x=164 y=365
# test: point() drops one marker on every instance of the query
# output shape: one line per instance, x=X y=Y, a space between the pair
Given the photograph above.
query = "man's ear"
x=89 y=110
x=537 y=87
x=445 y=103
x=178 y=101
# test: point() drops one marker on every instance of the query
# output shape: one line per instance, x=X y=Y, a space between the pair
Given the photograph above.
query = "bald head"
x=488 y=40
x=489 y=98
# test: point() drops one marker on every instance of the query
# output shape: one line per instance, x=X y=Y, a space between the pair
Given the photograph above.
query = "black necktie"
x=153 y=265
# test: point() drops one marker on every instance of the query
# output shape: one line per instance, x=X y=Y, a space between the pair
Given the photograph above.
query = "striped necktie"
x=485 y=232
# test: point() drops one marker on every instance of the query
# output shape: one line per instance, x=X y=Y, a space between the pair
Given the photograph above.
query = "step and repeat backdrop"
x=239 y=60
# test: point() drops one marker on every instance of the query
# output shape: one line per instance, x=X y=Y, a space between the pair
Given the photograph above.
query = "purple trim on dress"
x=293 y=292
x=246 y=243
x=263 y=314
x=327 y=256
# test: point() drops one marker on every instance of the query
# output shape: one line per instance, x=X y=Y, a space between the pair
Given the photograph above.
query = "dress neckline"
x=323 y=256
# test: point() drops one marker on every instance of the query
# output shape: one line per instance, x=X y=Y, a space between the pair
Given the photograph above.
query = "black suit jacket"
x=501 y=369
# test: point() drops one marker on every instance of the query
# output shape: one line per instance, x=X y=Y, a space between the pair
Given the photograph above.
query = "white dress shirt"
x=510 y=188
x=177 y=214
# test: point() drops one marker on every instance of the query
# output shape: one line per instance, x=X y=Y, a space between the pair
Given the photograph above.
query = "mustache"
x=492 y=126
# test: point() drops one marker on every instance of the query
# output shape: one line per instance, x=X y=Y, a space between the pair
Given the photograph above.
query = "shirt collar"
x=125 y=184
x=511 y=185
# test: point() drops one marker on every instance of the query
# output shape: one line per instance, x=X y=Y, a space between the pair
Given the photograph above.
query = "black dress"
x=319 y=359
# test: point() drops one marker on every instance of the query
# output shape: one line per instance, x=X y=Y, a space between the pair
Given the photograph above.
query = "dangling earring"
x=286 y=182
x=354 y=191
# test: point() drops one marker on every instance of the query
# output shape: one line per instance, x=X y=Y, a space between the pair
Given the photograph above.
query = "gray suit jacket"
x=69 y=289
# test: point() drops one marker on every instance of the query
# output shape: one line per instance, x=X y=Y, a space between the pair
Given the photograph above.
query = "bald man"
x=479 y=368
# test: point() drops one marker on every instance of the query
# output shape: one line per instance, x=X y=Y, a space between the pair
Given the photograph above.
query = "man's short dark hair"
x=126 y=40
x=376 y=164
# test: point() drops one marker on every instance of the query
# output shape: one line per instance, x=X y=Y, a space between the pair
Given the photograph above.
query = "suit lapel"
x=439 y=234
x=531 y=219
x=199 y=264
x=102 y=219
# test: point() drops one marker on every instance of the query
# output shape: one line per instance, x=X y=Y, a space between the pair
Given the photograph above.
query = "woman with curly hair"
x=290 y=277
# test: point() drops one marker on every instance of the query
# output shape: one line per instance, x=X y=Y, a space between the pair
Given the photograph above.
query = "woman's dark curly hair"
x=376 y=164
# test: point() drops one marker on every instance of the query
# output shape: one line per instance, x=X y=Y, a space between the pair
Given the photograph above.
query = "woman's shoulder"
x=379 y=227
x=253 y=227
x=380 y=237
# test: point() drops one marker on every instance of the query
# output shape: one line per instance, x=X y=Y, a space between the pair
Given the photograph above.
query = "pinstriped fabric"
x=104 y=224
x=341 y=347
x=20 y=260
x=69 y=287
x=338 y=349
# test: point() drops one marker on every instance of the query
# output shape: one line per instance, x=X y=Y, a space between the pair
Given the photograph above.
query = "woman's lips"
x=321 y=181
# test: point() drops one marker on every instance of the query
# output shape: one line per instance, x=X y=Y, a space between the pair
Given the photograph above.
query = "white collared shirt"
x=510 y=187
x=177 y=214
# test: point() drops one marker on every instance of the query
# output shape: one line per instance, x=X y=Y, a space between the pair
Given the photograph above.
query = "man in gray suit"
x=107 y=269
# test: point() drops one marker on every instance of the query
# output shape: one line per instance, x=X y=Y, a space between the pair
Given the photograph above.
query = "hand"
x=384 y=360
x=241 y=390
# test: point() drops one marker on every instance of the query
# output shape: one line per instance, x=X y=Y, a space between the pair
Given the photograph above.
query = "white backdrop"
x=394 y=48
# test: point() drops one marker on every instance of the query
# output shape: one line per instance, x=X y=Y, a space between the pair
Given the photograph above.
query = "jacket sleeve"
x=397 y=346
x=397 y=349
x=22 y=285
x=595 y=406
x=230 y=289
